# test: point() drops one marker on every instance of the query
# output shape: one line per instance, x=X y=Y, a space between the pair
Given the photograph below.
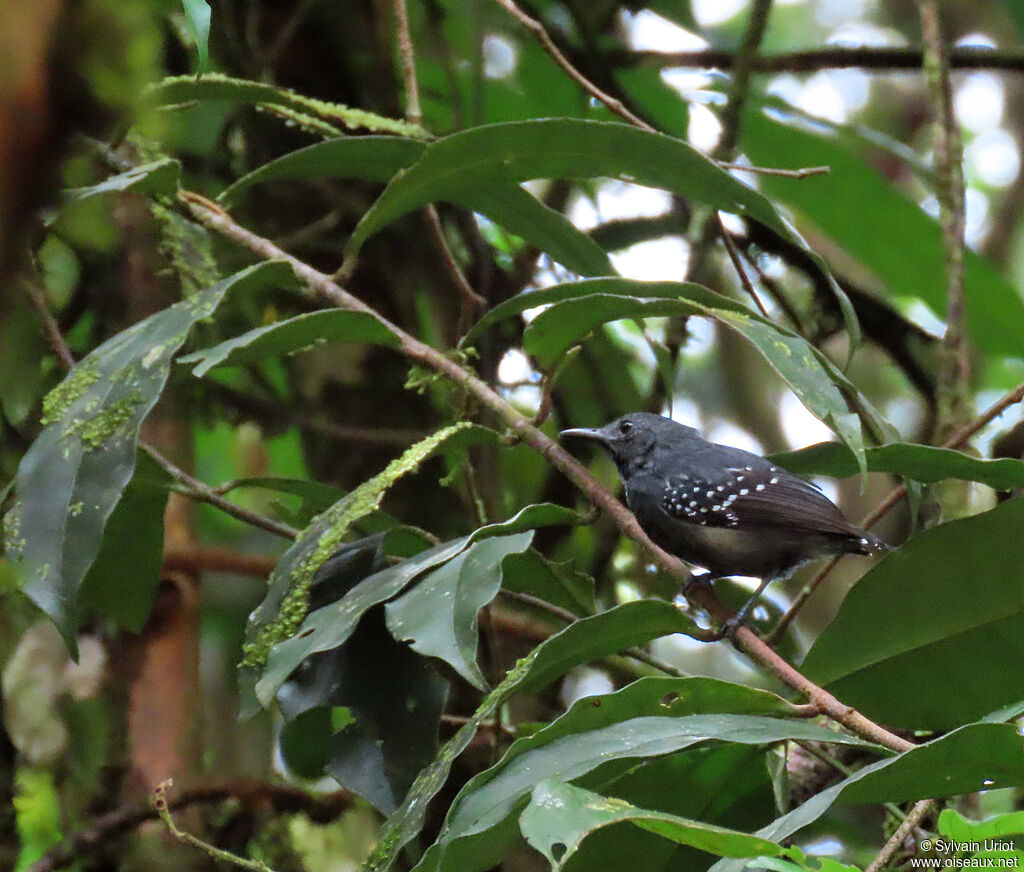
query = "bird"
x=721 y=508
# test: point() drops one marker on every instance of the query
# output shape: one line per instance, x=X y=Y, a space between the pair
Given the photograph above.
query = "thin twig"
x=544 y=38
x=868 y=58
x=203 y=558
x=414 y=115
x=413 y=112
x=527 y=599
x=744 y=638
x=920 y=810
x=956 y=440
x=257 y=794
x=739 y=87
x=734 y=256
x=801 y=173
x=163 y=810
x=470 y=298
x=954 y=360
x=202 y=492
x=50 y=327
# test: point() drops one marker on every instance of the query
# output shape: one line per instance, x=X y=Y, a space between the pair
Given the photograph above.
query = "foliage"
x=346 y=388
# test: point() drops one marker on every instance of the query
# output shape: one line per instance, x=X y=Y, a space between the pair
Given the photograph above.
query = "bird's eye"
x=626 y=427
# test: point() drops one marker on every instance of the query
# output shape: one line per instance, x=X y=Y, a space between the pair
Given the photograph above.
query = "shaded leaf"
x=531 y=573
x=379 y=158
x=72 y=477
x=291 y=336
x=393 y=698
x=923 y=463
x=123 y=580
x=161 y=177
x=490 y=797
x=563 y=815
x=438 y=617
x=329 y=627
x=588 y=639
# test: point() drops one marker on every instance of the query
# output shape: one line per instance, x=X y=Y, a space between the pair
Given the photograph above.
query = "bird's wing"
x=754 y=496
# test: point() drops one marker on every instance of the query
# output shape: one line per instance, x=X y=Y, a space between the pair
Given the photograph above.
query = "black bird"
x=720 y=508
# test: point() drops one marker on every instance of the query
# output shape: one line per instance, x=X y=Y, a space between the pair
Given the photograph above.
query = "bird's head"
x=632 y=436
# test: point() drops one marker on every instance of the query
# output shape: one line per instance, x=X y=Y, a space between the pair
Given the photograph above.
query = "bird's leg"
x=729 y=627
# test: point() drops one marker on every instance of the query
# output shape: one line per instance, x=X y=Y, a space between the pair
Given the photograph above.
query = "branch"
x=867 y=58
x=543 y=37
x=954 y=362
x=202 y=492
x=743 y=67
x=915 y=816
x=744 y=638
x=106 y=828
x=163 y=810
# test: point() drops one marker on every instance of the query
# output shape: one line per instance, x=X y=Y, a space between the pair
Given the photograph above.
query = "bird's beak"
x=585 y=433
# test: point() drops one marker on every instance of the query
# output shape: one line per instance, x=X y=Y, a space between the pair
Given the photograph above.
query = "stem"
x=913 y=818
x=202 y=492
x=868 y=58
x=544 y=38
x=744 y=638
x=954 y=362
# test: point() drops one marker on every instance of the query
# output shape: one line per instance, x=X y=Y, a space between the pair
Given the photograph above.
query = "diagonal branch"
x=744 y=638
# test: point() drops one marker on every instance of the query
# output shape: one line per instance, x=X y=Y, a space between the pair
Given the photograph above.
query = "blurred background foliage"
x=80 y=99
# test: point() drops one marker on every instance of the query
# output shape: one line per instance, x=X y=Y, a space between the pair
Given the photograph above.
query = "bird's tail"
x=863 y=542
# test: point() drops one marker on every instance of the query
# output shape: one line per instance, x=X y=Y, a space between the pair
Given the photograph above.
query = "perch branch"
x=744 y=638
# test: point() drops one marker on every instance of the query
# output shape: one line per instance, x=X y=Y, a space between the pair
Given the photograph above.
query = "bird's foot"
x=698 y=580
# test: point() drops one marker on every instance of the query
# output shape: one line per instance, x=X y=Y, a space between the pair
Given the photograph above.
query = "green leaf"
x=958 y=828
x=214 y=86
x=197 y=14
x=561 y=148
x=379 y=158
x=73 y=475
x=577 y=308
x=563 y=815
x=123 y=580
x=438 y=617
x=589 y=639
x=972 y=758
x=923 y=463
x=161 y=177
x=374 y=158
x=292 y=336
x=495 y=793
x=22 y=350
x=882 y=228
x=947 y=605
x=330 y=626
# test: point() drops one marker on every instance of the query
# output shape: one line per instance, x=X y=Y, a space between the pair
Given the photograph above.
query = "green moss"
x=68 y=392
x=325 y=535
x=97 y=430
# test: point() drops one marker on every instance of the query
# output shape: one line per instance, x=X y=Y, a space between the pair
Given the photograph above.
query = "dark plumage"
x=724 y=509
